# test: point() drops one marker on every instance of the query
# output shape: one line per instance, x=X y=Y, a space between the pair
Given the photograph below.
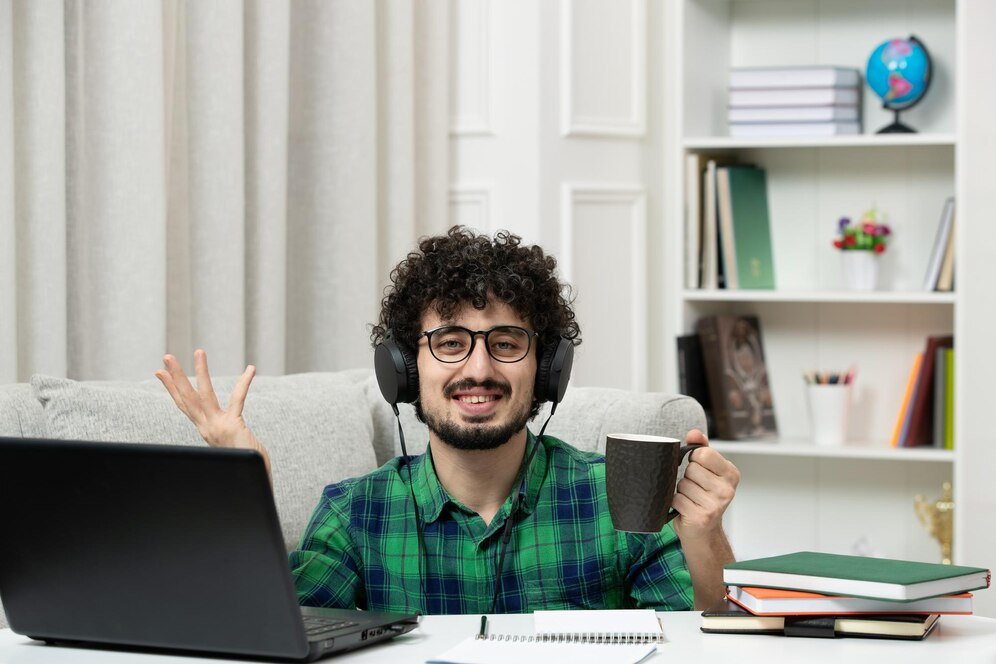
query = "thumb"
x=696 y=437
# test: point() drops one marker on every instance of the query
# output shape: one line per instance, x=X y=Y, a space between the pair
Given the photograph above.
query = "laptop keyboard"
x=317 y=626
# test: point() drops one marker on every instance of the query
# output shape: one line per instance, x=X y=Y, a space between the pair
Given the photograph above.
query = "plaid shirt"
x=360 y=549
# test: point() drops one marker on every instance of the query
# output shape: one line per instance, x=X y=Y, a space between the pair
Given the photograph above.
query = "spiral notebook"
x=625 y=636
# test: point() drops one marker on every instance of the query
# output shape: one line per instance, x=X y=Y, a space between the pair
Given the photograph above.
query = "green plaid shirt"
x=360 y=549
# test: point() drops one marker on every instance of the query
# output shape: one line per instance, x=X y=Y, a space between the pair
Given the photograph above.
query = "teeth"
x=478 y=399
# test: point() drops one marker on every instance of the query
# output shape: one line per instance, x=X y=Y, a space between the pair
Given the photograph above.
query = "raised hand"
x=219 y=427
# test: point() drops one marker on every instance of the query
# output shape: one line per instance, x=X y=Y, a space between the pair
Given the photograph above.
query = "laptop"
x=158 y=547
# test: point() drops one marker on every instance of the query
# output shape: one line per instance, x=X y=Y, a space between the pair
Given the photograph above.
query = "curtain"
x=234 y=175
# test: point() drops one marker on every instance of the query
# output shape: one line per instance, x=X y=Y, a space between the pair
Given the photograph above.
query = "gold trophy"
x=938 y=517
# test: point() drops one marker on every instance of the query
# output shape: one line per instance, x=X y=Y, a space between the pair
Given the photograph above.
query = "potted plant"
x=860 y=245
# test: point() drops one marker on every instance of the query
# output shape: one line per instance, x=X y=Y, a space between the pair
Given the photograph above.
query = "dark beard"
x=474 y=437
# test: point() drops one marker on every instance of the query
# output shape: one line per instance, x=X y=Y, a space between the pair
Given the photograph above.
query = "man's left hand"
x=703 y=494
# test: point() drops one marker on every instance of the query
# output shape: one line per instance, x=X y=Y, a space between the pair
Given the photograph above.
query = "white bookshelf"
x=796 y=495
x=860 y=141
x=857 y=450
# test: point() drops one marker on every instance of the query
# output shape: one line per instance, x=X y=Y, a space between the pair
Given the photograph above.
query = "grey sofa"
x=318 y=427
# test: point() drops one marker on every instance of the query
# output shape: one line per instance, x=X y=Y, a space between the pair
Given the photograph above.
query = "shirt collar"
x=432 y=497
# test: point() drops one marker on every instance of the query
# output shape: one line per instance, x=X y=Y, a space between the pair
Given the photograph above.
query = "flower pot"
x=860 y=269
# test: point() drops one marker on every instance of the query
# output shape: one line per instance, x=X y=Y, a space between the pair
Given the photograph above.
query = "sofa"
x=318 y=427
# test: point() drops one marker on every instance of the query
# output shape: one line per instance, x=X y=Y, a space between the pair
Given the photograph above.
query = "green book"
x=751 y=227
x=949 y=399
x=856 y=576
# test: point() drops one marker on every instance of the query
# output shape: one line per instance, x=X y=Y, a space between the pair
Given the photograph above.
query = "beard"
x=476 y=435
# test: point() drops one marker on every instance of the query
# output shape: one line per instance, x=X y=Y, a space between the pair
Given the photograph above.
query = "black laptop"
x=161 y=547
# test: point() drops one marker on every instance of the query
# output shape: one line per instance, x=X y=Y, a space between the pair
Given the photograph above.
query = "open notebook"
x=581 y=637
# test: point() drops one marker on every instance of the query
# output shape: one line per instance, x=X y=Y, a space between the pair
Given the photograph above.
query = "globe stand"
x=896 y=127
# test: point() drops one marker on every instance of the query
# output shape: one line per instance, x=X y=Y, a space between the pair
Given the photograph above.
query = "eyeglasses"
x=505 y=343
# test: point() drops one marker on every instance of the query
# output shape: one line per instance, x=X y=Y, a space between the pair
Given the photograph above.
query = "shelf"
x=832 y=297
x=804 y=448
x=857 y=141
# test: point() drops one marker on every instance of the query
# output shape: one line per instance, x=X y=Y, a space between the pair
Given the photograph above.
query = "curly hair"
x=461 y=267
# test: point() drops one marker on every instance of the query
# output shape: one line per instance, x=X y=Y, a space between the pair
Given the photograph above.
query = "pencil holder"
x=828 y=412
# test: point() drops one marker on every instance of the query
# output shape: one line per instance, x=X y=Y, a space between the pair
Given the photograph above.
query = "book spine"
x=904 y=406
x=726 y=239
x=708 y=331
x=940 y=396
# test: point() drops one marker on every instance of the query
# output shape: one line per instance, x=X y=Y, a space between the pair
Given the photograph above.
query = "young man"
x=474 y=312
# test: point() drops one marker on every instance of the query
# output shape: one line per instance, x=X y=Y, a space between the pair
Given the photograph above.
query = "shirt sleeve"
x=658 y=577
x=326 y=566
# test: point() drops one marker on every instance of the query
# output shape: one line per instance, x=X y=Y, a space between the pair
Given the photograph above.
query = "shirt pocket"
x=604 y=592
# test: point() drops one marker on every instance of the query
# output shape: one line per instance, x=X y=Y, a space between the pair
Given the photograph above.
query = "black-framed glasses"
x=505 y=343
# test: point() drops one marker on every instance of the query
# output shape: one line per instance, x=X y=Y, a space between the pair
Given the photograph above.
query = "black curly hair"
x=461 y=267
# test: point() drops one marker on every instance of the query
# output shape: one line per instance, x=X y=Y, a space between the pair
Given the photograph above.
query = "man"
x=429 y=535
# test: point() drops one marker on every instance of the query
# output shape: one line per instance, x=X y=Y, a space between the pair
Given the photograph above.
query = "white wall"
x=556 y=136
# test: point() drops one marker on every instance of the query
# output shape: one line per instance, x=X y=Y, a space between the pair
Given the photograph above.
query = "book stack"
x=926 y=414
x=794 y=101
x=828 y=595
x=727 y=225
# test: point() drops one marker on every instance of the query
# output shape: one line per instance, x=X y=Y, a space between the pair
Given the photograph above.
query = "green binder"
x=751 y=227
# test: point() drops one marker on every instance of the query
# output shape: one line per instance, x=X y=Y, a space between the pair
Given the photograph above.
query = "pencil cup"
x=828 y=411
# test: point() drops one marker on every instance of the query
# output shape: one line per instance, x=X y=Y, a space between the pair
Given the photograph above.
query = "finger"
x=238 y=397
x=694 y=493
x=167 y=382
x=710 y=477
x=204 y=386
x=186 y=391
x=713 y=460
x=684 y=505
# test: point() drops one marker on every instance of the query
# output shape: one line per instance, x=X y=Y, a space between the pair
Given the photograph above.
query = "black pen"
x=483 y=634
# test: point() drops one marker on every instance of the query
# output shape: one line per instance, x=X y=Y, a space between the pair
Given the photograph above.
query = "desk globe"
x=899 y=73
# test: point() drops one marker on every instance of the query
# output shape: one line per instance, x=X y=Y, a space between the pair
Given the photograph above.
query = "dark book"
x=739 y=389
x=921 y=428
x=692 y=376
x=728 y=618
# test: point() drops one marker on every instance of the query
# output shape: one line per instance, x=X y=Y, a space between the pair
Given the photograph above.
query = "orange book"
x=904 y=409
x=770 y=601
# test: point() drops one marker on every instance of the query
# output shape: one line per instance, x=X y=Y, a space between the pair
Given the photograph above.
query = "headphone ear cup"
x=397 y=372
x=553 y=372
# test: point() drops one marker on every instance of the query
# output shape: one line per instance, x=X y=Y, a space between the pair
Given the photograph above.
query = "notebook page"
x=606 y=621
x=477 y=651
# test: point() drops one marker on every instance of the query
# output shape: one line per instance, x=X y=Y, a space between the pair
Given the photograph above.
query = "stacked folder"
x=829 y=595
x=794 y=101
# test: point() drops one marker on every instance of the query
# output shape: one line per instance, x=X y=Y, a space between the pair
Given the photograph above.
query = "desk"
x=956 y=640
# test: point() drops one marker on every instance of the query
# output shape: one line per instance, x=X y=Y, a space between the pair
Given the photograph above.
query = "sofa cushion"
x=316 y=427
x=21 y=415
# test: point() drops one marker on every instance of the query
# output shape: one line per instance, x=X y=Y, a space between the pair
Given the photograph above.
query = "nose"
x=479 y=364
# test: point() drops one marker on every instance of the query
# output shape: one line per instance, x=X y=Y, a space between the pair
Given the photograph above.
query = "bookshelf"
x=856 y=498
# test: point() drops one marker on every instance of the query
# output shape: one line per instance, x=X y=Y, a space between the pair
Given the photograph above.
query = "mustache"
x=468 y=384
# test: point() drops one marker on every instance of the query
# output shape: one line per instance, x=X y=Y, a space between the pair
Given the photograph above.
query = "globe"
x=898 y=72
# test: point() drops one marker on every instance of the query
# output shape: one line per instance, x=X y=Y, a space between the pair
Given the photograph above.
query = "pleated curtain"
x=227 y=174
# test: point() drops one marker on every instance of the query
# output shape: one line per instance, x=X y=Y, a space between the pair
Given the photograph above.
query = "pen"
x=484 y=628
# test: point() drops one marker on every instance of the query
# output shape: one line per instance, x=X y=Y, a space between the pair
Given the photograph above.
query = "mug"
x=641 y=475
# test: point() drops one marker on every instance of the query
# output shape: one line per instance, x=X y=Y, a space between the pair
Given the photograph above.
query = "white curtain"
x=227 y=174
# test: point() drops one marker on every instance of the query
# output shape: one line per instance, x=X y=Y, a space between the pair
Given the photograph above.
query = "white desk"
x=956 y=640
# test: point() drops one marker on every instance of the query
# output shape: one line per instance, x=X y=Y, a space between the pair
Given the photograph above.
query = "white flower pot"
x=860 y=269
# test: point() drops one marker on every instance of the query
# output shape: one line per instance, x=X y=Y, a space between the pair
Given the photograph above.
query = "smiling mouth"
x=477 y=398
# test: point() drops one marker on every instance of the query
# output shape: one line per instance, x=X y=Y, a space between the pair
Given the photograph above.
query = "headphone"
x=397 y=371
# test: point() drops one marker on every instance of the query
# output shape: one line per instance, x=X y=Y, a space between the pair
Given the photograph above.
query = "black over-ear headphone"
x=397 y=371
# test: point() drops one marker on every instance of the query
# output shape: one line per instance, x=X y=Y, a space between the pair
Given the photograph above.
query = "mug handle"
x=685 y=449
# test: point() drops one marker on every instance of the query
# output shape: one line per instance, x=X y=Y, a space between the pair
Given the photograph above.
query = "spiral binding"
x=578 y=637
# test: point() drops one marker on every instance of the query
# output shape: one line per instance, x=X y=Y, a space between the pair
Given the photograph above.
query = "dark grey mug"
x=641 y=474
